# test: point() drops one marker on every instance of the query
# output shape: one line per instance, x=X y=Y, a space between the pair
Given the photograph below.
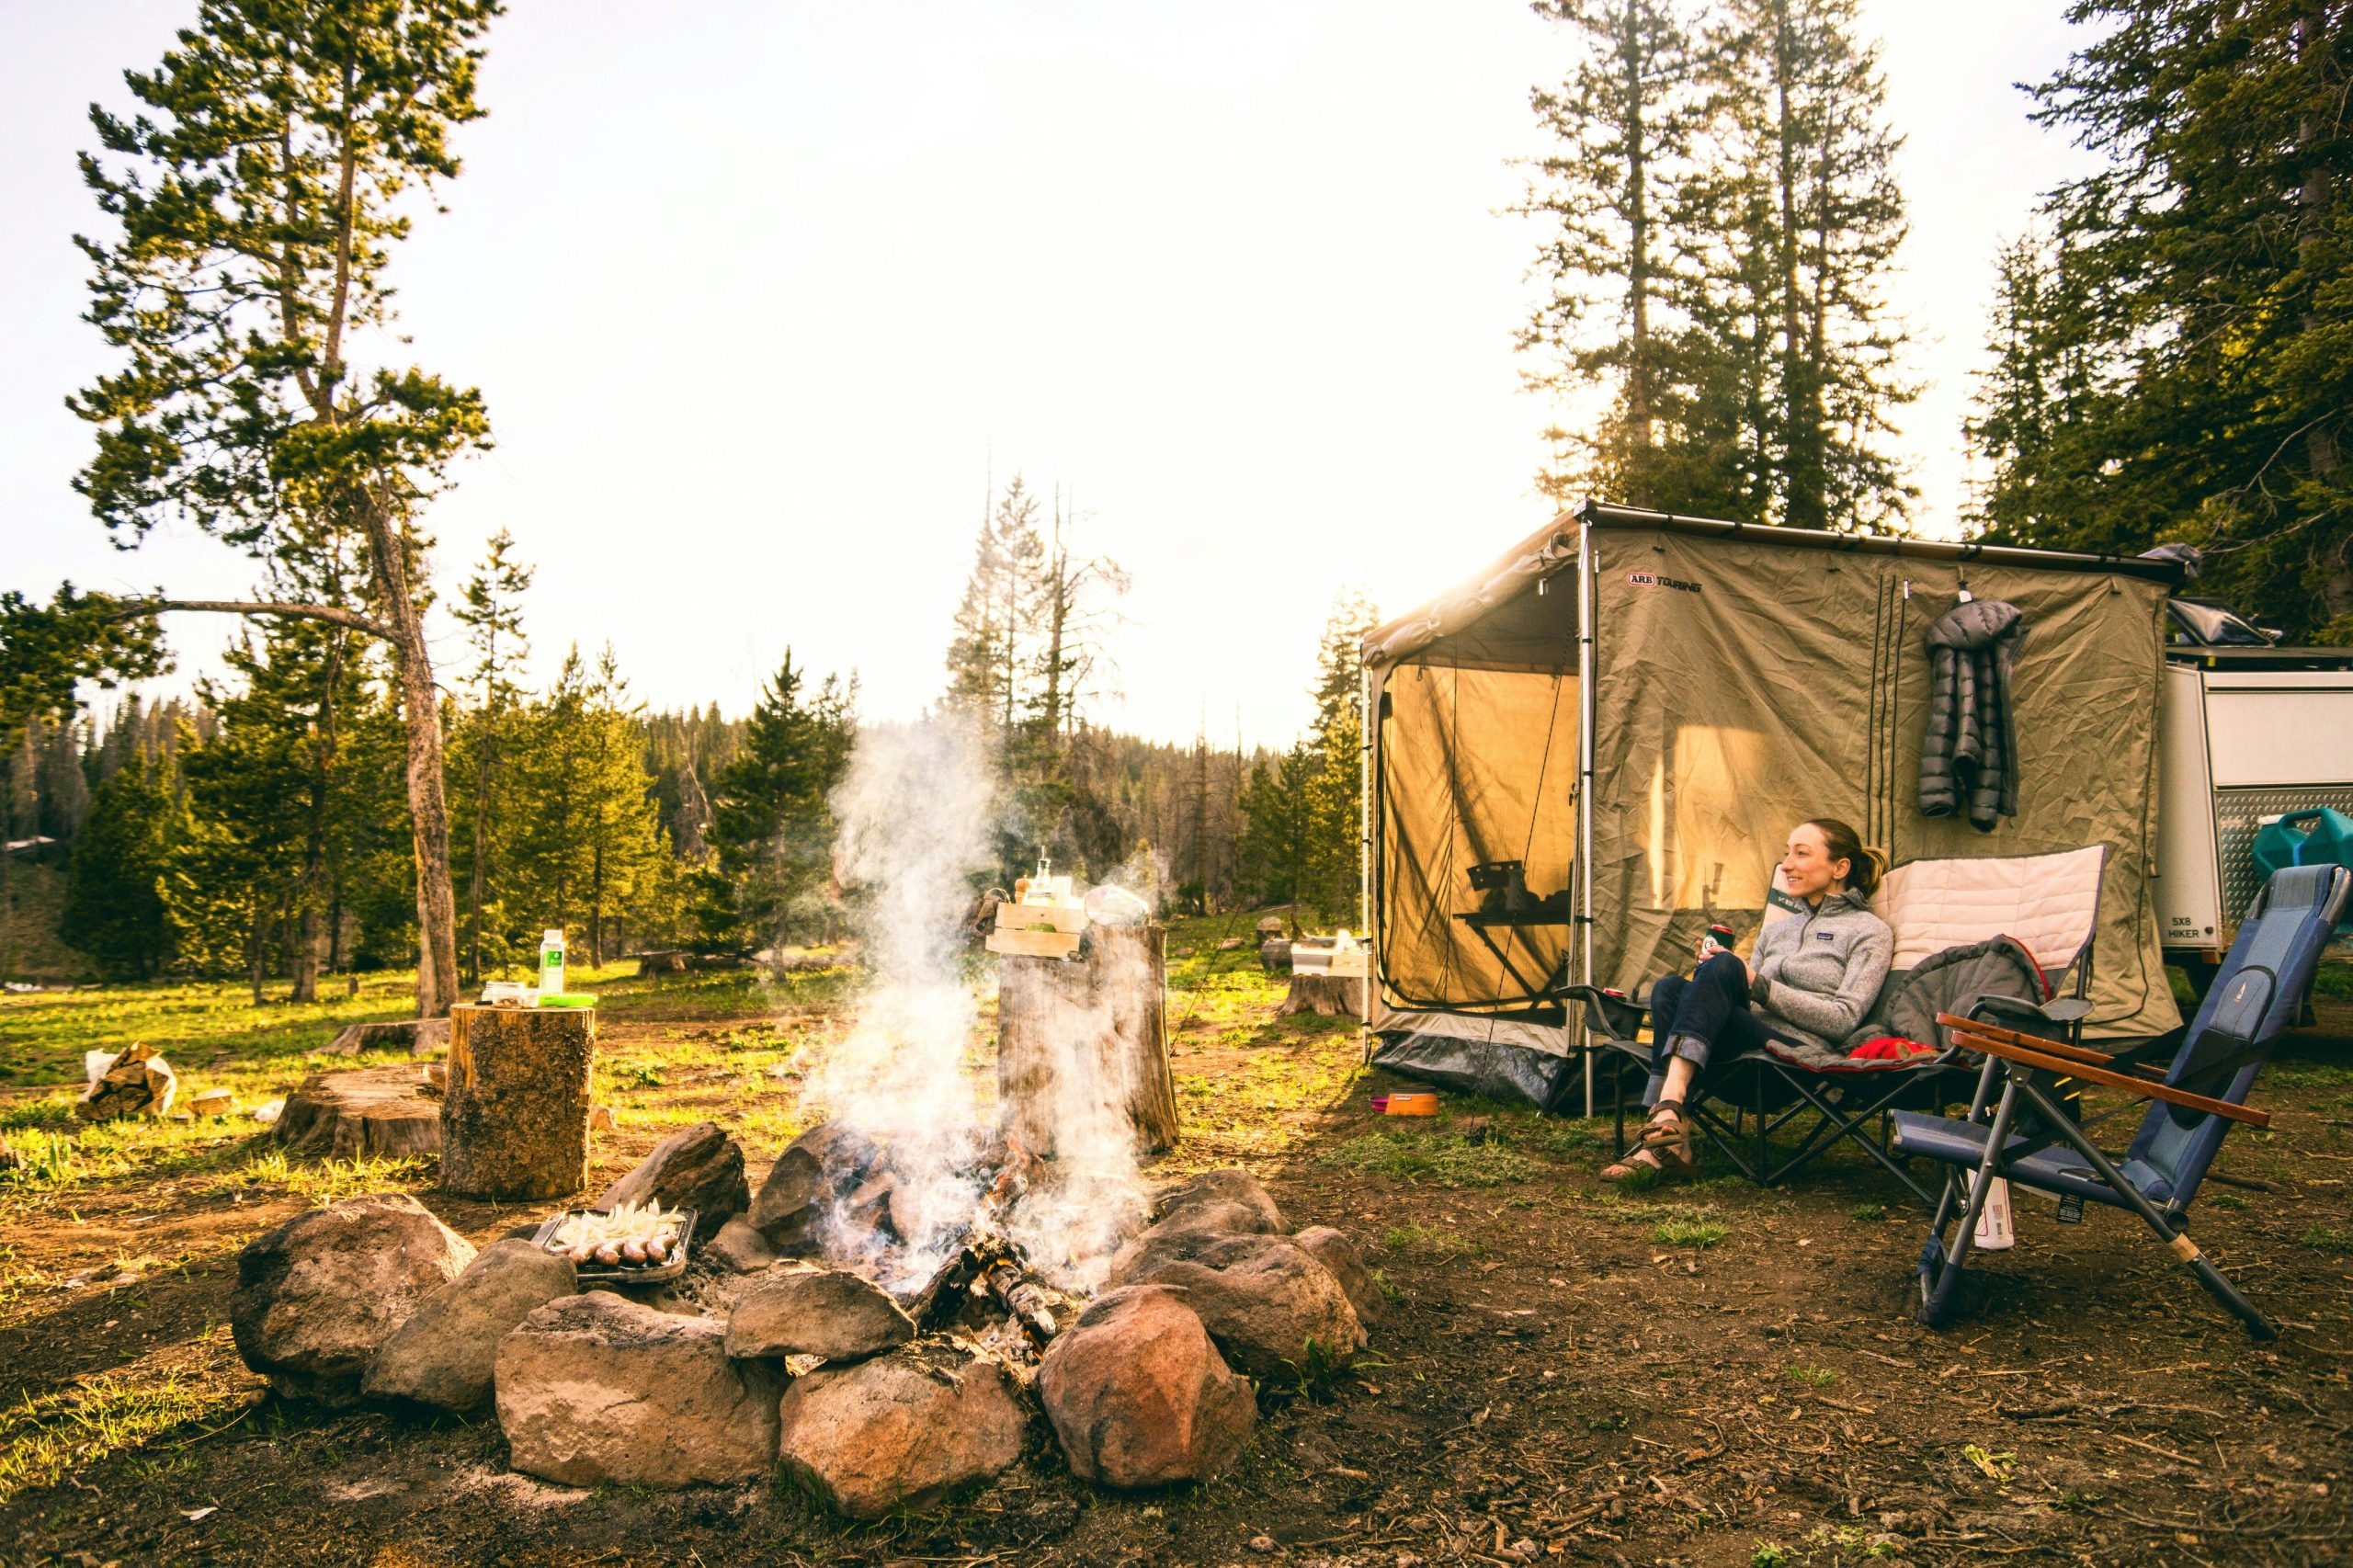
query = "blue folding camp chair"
x=2257 y=993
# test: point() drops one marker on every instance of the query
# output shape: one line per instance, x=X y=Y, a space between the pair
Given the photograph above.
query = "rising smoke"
x=918 y=811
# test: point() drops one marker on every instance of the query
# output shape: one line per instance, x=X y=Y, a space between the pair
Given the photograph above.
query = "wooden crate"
x=1034 y=944
x=1069 y=919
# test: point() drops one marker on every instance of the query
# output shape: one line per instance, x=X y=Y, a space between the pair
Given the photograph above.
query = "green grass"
x=1688 y=1233
x=1808 y=1376
x=2329 y=1239
x=321 y=1181
x=1868 y=1213
x=44 y=1440
x=1444 y=1159
x=1434 y=1244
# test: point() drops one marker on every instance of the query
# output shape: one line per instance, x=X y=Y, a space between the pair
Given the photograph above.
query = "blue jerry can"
x=2321 y=837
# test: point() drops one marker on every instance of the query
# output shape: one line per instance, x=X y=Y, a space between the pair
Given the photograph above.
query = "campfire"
x=915 y=1276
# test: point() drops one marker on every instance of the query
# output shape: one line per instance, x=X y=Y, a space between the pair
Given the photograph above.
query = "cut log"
x=1326 y=995
x=386 y=1112
x=418 y=1036
x=1103 y=1017
x=515 y=1114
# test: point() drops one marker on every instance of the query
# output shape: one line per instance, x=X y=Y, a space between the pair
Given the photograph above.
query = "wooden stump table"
x=514 y=1112
x=1103 y=1014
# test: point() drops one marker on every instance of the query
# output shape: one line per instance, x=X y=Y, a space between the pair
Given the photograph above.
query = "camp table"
x=1484 y=925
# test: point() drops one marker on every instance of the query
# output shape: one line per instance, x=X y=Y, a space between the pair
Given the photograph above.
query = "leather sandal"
x=1664 y=1146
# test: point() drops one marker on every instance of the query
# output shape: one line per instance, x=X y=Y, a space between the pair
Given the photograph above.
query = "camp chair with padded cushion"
x=2028 y=1139
x=1981 y=937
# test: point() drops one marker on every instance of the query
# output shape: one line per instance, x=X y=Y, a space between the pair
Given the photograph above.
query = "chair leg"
x=1764 y=1131
x=2212 y=1278
x=1833 y=1124
x=1940 y=1275
x=1618 y=1105
x=2219 y=1286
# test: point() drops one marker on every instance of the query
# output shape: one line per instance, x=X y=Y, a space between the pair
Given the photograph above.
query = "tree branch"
x=133 y=609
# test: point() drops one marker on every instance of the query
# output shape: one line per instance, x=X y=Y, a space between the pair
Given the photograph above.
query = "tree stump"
x=1326 y=995
x=515 y=1113
x=1099 y=1019
x=387 y=1112
x=418 y=1036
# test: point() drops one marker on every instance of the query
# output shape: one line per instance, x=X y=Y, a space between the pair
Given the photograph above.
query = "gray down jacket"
x=1969 y=756
x=1952 y=981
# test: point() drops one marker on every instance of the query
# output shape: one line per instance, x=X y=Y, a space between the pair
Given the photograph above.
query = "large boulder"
x=1138 y=1395
x=1266 y=1299
x=1224 y=1199
x=317 y=1295
x=902 y=1430
x=443 y=1355
x=596 y=1390
x=801 y=1310
x=814 y=1169
x=698 y=1167
x=1336 y=1252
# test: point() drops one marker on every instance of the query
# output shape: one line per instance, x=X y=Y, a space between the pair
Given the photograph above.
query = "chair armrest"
x=2058 y=1010
x=2025 y=1052
x=1621 y=1016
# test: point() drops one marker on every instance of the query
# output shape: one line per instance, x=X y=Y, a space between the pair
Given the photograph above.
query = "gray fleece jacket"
x=1822 y=971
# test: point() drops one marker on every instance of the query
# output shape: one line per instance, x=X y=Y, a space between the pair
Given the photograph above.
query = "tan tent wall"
x=1476 y=766
x=1743 y=685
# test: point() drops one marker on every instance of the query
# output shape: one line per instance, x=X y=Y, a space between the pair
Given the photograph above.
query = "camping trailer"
x=2249 y=732
x=1591 y=753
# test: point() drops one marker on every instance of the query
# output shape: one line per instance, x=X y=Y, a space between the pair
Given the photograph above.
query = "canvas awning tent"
x=1738 y=679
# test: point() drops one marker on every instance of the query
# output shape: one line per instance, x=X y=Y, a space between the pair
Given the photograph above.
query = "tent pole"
x=1585 y=792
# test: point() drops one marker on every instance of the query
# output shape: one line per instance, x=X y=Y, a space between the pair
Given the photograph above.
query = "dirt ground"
x=1704 y=1375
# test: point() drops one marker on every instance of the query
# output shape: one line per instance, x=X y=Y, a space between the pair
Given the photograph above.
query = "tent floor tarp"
x=1495 y=1058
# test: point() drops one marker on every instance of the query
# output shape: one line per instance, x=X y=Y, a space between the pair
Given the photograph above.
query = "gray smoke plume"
x=918 y=811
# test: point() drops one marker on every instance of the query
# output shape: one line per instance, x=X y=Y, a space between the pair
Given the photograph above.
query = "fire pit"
x=915 y=1276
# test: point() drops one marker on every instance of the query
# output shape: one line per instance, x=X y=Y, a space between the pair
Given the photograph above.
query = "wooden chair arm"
x=2082 y=1053
x=2047 y=1062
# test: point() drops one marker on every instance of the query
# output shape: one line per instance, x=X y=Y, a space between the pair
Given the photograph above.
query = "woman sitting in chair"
x=1810 y=980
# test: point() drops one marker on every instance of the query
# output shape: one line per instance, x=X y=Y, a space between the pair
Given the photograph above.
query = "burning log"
x=1030 y=1302
x=1118 y=987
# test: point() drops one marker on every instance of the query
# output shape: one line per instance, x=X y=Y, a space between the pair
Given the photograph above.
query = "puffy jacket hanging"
x=1969 y=757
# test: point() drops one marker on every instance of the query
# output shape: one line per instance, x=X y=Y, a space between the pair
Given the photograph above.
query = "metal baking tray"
x=624 y=1274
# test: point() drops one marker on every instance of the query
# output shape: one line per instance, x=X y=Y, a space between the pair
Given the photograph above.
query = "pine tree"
x=113 y=911
x=624 y=851
x=254 y=203
x=772 y=826
x=989 y=659
x=1622 y=123
x=1279 y=824
x=1072 y=622
x=491 y=611
x=1792 y=227
x=47 y=652
x=2202 y=297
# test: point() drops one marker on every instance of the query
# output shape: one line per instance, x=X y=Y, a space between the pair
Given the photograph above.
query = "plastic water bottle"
x=1994 y=1232
x=550 y=963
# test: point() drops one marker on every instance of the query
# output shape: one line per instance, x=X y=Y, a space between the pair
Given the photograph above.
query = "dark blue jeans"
x=1696 y=1018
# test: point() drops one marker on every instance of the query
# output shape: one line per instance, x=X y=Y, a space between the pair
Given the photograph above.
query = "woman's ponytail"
x=1865 y=863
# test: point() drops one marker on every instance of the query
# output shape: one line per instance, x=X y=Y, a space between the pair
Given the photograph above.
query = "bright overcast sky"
x=761 y=293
